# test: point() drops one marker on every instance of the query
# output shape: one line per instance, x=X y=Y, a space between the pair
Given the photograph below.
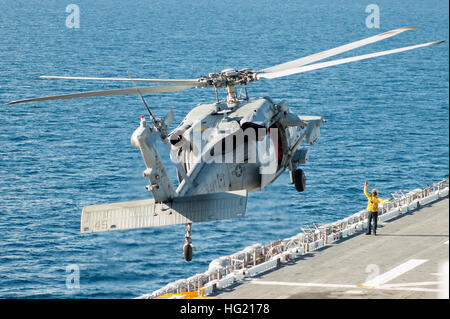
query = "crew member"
x=372 y=207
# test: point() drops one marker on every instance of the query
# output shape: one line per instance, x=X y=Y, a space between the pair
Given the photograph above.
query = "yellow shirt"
x=373 y=201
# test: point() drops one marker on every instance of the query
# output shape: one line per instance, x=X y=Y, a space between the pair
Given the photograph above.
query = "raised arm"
x=365 y=190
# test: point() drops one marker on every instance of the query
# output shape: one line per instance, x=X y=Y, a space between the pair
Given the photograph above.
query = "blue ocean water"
x=387 y=122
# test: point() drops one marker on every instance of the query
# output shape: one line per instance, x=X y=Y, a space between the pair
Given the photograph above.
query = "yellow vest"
x=372 y=201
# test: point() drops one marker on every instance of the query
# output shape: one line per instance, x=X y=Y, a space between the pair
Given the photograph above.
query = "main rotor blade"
x=178 y=81
x=326 y=54
x=310 y=67
x=143 y=90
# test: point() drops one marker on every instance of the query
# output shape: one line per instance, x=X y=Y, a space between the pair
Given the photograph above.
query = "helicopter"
x=222 y=150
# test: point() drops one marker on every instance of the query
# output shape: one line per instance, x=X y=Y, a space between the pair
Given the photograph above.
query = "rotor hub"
x=229 y=78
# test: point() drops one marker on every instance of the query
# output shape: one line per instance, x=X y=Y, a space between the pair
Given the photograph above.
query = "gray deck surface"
x=408 y=255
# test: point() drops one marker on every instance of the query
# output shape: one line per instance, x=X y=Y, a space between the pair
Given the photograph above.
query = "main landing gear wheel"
x=299 y=180
x=188 y=248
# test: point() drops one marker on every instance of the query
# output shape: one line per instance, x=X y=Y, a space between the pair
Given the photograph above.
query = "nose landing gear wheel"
x=188 y=247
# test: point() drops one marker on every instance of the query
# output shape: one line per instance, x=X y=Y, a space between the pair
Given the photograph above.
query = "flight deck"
x=407 y=259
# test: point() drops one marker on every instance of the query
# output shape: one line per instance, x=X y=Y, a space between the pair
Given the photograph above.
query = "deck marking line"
x=365 y=287
x=312 y=284
x=300 y=284
x=423 y=283
x=395 y=272
x=411 y=289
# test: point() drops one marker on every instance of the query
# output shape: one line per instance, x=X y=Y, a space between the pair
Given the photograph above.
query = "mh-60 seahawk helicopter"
x=221 y=150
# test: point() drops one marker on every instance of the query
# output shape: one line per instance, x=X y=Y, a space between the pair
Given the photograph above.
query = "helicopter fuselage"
x=245 y=145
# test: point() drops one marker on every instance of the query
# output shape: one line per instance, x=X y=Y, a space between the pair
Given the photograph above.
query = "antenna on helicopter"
x=160 y=126
x=143 y=100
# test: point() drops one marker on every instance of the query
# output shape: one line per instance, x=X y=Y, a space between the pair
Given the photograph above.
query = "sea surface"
x=387 y=122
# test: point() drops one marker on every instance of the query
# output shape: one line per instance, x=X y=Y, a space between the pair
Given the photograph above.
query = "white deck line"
x=395 y=272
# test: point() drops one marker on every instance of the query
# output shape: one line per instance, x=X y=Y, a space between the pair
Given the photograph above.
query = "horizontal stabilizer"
x=147 y=213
